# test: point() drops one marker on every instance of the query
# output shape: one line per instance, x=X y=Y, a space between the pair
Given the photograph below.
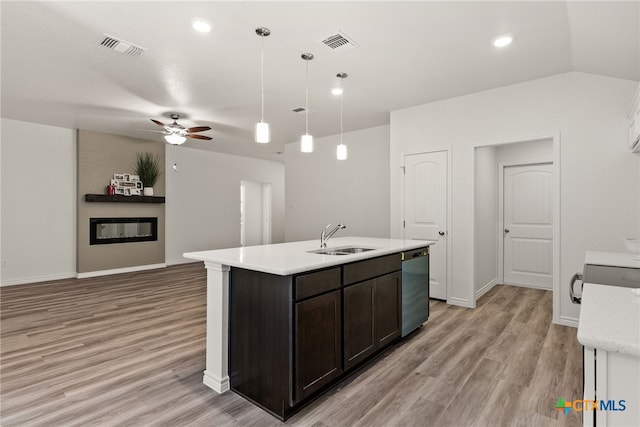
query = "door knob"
x=506 y=230
x=441 y=233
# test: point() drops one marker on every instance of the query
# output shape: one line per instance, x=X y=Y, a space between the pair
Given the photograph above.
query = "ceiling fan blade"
x=198 y=129
x=158 y=123
x=190 y=135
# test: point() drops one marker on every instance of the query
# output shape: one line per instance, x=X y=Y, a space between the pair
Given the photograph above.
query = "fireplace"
x=104 y=231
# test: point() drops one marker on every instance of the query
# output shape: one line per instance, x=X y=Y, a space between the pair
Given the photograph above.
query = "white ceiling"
x=410 y=53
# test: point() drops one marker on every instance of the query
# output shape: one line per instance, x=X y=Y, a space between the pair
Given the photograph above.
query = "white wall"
x=486 y=219
x=599 y=175
x=321 y=189
x=540 y=151
x=38 y=202
x=203 y=199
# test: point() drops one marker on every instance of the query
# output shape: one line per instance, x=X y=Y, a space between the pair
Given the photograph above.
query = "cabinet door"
x=387 y=308
x=359 y=338
x=318 y=348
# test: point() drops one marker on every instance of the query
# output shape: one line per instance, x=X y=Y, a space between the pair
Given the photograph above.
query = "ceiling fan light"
x=306 y=143
x=341 y=152
x=175 y=139
x=263 y=133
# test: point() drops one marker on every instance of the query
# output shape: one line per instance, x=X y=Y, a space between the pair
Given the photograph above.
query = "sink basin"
x=355 y=250
x=348 y=250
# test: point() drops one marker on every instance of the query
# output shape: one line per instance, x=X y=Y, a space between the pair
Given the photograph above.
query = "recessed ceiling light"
x=201 y=26
x=502 y=41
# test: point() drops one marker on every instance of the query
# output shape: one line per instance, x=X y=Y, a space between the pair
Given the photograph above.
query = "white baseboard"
x=179 y=261
x=460 y=302
x=486 y=288
x=120 y=270
x=218 y=384
x=568 y=321
x=26 y=280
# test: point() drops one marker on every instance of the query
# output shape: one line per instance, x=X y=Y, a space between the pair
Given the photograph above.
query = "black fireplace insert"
x=104 y=231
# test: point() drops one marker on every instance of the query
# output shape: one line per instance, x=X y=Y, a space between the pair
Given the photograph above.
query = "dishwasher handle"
x=406 y=256
x=572 y=293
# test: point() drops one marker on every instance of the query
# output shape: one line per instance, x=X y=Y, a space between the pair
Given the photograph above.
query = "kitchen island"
x=280 y=285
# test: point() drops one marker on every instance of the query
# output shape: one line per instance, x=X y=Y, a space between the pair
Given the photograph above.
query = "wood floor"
x=128 y=350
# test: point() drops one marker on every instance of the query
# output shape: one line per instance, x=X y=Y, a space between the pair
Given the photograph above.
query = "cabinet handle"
x=572 y=295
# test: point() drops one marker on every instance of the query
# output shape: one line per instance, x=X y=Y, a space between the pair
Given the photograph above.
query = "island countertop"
x=610 y=319
x=290 y=258
x=614 y=259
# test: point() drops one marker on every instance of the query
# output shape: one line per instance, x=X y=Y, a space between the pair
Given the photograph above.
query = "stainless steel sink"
x=347 y=250
x=355 y=250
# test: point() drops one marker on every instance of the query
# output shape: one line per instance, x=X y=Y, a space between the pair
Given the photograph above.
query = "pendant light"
x=306 y=141
x=263 y=133
x=341 y=149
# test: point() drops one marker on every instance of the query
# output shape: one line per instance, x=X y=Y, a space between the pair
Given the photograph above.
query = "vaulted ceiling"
x=55 y=72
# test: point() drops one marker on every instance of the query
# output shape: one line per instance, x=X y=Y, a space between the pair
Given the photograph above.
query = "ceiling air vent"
x=121 y=46
x=339 y=42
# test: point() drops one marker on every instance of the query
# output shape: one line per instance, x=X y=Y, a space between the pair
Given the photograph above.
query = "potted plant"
x=147 y=167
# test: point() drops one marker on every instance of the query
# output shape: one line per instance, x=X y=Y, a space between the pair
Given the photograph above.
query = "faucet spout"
x=324 y=236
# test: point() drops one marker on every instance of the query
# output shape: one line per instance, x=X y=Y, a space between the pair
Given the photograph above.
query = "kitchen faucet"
x=324 y=236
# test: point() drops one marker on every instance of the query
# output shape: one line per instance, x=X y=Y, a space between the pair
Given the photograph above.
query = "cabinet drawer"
x=370 y=268
x=308 y=285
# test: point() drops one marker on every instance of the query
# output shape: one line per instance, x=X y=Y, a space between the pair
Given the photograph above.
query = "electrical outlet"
x=4 y=263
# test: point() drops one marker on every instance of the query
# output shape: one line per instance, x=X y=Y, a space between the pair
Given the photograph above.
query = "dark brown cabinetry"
x=371 y=317
x=359 y=338
x=318 y=347
x=317 y=336
x=387 y=315
x=292 y=336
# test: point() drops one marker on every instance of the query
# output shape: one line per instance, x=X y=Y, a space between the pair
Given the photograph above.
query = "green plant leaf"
x=147 y=167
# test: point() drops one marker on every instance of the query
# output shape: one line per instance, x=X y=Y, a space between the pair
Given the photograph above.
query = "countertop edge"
x=324 y=262
x=600 y=339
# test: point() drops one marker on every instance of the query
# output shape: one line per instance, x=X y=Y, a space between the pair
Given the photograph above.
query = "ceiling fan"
x=177 y=134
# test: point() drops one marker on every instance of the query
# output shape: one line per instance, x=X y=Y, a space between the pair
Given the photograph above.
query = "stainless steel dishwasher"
x=415 y=289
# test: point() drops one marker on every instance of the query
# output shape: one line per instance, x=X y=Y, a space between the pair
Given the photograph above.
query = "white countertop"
x=291 y=258
x=610 y=319
x=615 y=259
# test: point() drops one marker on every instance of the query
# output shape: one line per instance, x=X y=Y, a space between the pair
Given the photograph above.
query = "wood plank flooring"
x=128 y=350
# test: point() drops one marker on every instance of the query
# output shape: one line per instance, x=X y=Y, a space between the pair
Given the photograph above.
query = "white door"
x=528 y=225
x=425 y=212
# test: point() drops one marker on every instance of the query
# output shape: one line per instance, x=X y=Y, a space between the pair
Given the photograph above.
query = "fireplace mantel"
x=118 y=198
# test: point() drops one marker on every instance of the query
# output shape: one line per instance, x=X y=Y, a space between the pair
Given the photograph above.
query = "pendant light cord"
x=341 y=129
x=306 y=111
x=262 y=75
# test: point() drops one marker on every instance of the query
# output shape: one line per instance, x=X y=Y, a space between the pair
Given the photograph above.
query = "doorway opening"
x=255 y=213
x=516 y=215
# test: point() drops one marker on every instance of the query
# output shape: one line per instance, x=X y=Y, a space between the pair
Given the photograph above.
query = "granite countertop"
x=290 y=258
x=615 y=259
x=610 y=319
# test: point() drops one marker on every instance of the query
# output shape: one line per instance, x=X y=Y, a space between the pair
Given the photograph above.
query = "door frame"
x=449 y=150
x=501 y=167
x=555 y=137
